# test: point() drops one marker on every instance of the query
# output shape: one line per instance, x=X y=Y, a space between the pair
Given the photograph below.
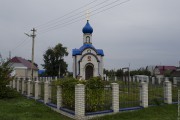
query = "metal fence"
x=20 y=84
x=98 y=98
x=32 y=88
x=25 y=87
x=155 y=94
x=53 y=94
x=68 y=97
x=129 y=94
x=175 y=88
x=41 y=96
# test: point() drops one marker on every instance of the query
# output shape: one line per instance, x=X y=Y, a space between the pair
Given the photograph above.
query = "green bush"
x=5 y=78
x=68 y=92
x=96 y=94
x=98 y=98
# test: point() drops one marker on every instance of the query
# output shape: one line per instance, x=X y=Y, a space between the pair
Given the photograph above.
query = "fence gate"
x=98 y=98
x=155 y=94
x=129 y=95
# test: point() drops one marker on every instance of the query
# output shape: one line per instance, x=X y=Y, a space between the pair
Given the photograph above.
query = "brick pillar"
x=36 y=94
x=59 y=97
x=46 y=92
x=22 y=85
x=115 y=97
x=17 y=84
x=144 y=94
x=167 y=91
x=29 y=88
x=79 y=101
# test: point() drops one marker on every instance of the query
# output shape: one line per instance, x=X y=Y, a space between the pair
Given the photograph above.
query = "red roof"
x=165 y=68
x=22 y=61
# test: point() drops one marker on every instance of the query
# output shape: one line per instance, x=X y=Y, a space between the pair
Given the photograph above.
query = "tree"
x=5 y=78
x=54 y=60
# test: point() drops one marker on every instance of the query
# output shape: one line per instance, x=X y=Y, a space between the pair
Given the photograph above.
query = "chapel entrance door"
x=88 y=72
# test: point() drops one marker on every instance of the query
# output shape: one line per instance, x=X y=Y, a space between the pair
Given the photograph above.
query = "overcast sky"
x=138 y=32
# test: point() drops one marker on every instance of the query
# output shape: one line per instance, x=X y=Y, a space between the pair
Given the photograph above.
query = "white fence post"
x=36 y=94
x=46 y=92
x=167 y=91
x=59 y=97
x=29 y=88
x=144 y=94
x=115 y=97
x=79 y=101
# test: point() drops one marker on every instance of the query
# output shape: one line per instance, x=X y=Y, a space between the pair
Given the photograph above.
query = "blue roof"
x=41 y=71
x=86 y=46
x=87 y=28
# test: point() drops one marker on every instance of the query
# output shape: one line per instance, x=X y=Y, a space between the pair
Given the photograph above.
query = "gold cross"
x=87 y=15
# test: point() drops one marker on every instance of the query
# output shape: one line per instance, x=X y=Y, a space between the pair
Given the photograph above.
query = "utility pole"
x=33 y=35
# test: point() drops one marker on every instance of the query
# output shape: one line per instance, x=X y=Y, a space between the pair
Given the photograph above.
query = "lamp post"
x=33 y=38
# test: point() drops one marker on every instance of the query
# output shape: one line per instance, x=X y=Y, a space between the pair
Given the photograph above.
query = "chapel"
x=87 y=60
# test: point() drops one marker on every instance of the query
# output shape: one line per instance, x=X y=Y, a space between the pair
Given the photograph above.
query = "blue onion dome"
x=87 y=28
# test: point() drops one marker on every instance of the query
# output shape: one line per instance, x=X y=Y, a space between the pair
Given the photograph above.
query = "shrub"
x=5 y=78
x=68 y=92
x=96 y=95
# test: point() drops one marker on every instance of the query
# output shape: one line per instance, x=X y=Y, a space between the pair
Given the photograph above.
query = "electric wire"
x=81 y=17
x=66 y=22
x=19 y=45
x=77 y=19
x=74 y=15
x=51 y=21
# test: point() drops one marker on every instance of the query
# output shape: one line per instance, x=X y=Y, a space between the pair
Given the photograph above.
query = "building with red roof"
x=162 y=70
x=22 y=67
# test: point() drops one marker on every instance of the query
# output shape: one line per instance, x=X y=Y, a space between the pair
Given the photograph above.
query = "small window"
x=88 y=39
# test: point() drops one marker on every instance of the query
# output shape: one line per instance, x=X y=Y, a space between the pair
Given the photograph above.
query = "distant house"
x=22 y=67
x=162 y=70
x=176 y=73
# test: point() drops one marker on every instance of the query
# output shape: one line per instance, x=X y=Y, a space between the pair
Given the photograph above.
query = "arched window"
x=87 y=39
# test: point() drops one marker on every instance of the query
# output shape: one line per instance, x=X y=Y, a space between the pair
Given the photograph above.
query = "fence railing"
x=81 y=100
x=96 y=98
x=129 y=95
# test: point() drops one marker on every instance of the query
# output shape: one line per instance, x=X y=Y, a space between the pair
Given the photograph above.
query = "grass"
x=165 y=112
x=26 y=109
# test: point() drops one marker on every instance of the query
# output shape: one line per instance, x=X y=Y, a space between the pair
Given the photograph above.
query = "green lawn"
x=165 y=112
x=24 y=109
x=27 y=109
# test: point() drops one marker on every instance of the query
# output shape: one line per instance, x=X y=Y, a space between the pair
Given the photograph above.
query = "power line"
x=51 y=21
x=73 y=15
x=20 y=44
x=76 y=19
x=80 y=17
